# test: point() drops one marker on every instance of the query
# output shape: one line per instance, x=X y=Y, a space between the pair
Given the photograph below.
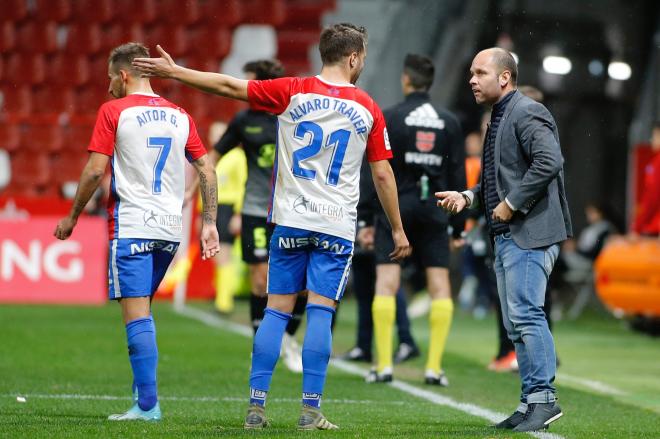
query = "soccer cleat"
x=507 y=363
x=374 y=377
x=291 y=354
x=511 y=422
x=255 y=418
x=311 y=418
x=436 y=379
x=405 y=352
x=357 y=354
x=539 y=416
x=135 y=413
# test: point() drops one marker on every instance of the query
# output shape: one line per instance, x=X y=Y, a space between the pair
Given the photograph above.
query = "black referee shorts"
x=225 y=212
x=255 y=238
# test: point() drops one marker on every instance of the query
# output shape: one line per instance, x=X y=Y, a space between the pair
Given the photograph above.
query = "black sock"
x=257 y=309
x=298 y=311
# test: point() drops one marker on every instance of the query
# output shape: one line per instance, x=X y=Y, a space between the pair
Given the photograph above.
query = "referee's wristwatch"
x=467 y=199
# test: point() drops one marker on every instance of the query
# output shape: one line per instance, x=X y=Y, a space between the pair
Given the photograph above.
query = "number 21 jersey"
x=323 y=131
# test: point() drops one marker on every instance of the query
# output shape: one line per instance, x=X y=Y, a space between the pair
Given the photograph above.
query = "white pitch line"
x=76 y=396
x=596 y=386
x=471 y=409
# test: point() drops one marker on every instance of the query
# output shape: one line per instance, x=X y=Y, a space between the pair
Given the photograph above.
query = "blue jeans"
x=522 y=277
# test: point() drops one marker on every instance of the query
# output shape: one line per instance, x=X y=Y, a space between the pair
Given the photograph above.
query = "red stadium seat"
x=98 y=69
x=95 y=11
x=211 y=42
x=33 y=37
x=7 y=36
x=30 y=171
x=304 y=14
x=25 y=69
x=142 y=11
x=89 y=99
x=13 y=10
x=10 y=136
x=179 y=12
x=68 y=70
x=67 y=166
x=203 y=62
x=229 y=13
x=15 y=100
x=55 y=100
x=292 y=44
x=223 y=109
x=53 y=10
x=77 y=136
x=271 y=12
x=83 y=39
x=172 y=38
x=298 y=66
x=42 y=137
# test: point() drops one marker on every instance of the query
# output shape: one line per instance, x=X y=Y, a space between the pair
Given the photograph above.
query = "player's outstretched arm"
x=209 y=188
x=209 y=82
x=90 y=179
x=383 y=177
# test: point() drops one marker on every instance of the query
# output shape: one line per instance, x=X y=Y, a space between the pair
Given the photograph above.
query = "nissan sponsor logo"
x=303 y=205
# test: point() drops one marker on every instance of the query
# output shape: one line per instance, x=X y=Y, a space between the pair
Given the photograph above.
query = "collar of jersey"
x=345 y=84
x=141 y=93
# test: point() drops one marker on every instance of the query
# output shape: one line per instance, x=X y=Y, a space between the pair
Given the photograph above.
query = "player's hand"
x=64 y=228
x=451 y=201
x=365 y=237
x=235 y=224
x=163 y=67
x=502 y=212
x=402 y=247
x=210 y=241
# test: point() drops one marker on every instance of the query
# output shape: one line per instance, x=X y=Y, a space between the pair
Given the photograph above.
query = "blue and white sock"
x=265 y=353
x=316 y=352
x=143 y=354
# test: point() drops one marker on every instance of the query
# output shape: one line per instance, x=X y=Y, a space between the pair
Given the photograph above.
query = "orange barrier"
x=627 y=277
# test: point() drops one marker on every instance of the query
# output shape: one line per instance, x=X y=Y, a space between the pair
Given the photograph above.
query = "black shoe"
x=512 y=421
x=436 y=379
x=405 y=352
x=539 y=416
x=357 y=354
x=375 y=377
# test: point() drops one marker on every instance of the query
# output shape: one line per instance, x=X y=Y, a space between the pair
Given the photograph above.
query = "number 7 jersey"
x=148 y=139
x=323 y=131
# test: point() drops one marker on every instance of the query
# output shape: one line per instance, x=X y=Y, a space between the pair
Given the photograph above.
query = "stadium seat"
x=223 y=109
x=7 y=36
x=179 y=12
x=15 y=100
x=68 y=70
x=95 y=11
x=53 y=10
x=30 y=172
x=83 y=39
x=25 y=69
x=228 y=14
x=10 y=136
x=144 y=11
x=205 y=63
x=305 y=14
x=171 y=38
x=296 y=44
x=67 y=166
x=89 y=99
x=55 y=100
x=33 y=37
x=271 y=12
x=298 y=66
x=43 y=136
x=210 y=41
x=77 y=136
x=13 y=10
x=249 y=42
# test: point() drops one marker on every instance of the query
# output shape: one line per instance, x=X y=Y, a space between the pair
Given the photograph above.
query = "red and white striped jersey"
x=323 y=131
x=148 y=139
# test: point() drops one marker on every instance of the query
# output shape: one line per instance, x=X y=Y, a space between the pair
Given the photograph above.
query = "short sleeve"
x=105 y=129
x=271 y=95
x=378 y=143
x=231 y=137
x=194 y=146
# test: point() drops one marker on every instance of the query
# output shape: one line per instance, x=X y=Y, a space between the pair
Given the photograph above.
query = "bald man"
x=521 y=191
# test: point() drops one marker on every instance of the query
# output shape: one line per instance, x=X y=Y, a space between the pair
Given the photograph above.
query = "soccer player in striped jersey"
x=146 y=140
x=325 y=124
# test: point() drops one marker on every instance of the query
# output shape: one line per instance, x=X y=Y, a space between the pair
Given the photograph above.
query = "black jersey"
x=256 y=131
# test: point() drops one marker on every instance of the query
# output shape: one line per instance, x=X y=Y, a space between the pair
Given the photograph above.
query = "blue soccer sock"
x=316 y=352
x=265 y=353
x=143 y=354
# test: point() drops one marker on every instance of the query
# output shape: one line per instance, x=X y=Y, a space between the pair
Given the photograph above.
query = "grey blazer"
x=530 y=175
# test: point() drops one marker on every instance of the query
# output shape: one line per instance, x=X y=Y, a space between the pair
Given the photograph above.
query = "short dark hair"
x=505 y=61
x=340 y=40
x=125 y=54
x=420 y=70
x=264 y=69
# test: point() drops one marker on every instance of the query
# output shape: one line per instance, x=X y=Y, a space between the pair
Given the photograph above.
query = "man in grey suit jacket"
x=522 y=193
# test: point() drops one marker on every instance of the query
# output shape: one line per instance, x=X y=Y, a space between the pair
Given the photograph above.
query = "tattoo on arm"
x=209 y=191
